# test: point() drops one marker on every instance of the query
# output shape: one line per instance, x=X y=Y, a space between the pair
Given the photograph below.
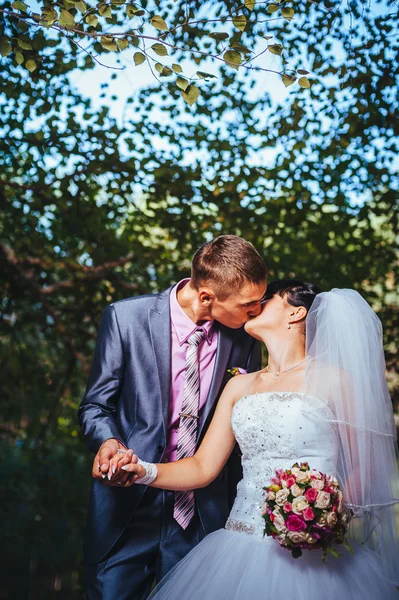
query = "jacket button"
x=160 y=449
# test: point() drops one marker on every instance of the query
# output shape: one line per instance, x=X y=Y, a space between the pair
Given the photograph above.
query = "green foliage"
x=94 y=211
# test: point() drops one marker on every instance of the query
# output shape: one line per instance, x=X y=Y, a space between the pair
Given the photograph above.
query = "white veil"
x=347 y=370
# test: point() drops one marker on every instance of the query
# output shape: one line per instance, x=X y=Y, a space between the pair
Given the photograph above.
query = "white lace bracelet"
x=151 y=472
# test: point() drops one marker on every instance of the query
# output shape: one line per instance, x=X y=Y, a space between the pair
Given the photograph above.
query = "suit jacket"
x=127 y=398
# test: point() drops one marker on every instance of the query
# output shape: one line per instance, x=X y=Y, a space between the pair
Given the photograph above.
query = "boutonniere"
x=234 y=371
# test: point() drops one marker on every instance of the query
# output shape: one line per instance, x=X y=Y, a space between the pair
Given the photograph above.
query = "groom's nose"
x=255 y=310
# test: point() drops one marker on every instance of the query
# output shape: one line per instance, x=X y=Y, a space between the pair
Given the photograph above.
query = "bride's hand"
x=137 y=470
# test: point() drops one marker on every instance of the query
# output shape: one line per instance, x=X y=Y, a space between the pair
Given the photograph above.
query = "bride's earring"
x=288 y=326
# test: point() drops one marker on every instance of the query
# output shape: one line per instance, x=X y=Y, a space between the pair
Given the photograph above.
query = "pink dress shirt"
x=181 y=328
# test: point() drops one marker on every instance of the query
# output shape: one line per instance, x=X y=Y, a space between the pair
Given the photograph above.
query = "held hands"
x=108 y=463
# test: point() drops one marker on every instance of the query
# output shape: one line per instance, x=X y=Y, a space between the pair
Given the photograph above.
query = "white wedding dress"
x=273 y=430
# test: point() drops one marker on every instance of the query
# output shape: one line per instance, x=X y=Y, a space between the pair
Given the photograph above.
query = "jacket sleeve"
x=254 y=360
x=96 y=413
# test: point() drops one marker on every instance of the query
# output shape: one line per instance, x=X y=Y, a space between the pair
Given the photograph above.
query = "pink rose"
x=291 y=480
x=287 y=507
x=308 y=514
x=295 y=523
x=311 y=494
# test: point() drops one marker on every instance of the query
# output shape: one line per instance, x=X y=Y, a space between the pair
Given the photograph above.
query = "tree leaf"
x=5 y=46
x=108 y=43
x=134 y=41
x=19 y=57
x=302 y=72
x=166 y=71
x=177 y=68
x=48 y=16
x=204 y=75
x=191 y=94
x=82 y=6
x=304 y=82
x=31 y=65
x=232 y=58
x=272 y=8
x=240 y=22
x=66 y=19
x=122 y=43
x=288 y=80
x=139 y=58
x=275 y=49
x=159 y=23
x=249 y=4
x=24 y=44
x=160 y=49
x=19 y=5
x=131 y=10
x=288 y=13
x=182 y=83
x=92 y=20
x=105 y=11
x=219 y=35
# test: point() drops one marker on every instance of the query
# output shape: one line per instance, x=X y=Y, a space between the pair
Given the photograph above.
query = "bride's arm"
x=199 y=470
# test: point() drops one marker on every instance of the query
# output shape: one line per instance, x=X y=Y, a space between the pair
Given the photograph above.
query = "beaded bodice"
x=274 y=430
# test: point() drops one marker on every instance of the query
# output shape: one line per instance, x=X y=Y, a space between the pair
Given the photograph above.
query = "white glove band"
x=151 y=472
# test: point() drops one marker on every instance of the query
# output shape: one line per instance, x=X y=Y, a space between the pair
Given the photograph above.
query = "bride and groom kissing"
x=183 y=450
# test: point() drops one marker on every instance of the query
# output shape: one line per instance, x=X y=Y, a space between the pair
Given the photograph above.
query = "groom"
x=159 y=367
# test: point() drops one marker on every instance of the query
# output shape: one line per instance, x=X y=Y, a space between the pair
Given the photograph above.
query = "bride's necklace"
x=277 y=373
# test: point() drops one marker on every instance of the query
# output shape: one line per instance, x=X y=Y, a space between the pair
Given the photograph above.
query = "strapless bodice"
x=274 y=430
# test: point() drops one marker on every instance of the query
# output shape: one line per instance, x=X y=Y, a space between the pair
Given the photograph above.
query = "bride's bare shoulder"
x=239 y=385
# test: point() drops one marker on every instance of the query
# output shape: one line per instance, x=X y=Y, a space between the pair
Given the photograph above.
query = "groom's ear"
x=206 y=296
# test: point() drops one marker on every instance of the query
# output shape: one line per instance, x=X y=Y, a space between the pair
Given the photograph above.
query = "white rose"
x=315 y=474
x=296 y=490
x=332 y=519
x=271 y=496
x=323 y=500
x=302 y=477
x=333 y=481
x=279 y=524
x=340 y=506
x=282 y=496
x=317 y=484
x=297 y=537
x=309 y=539
x=295 y=470
x=281 y=540
x=284 y=483
x=299 y=504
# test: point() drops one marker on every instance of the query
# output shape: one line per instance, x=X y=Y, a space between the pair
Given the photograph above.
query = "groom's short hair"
x=227 y=262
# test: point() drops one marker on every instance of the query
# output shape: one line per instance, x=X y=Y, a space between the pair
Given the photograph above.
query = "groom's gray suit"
x=128 y=398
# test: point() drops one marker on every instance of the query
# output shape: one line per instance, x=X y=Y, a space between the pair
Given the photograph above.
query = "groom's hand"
x=108 y=461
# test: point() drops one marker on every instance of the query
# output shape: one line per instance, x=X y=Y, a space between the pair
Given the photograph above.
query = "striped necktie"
x=187 y=441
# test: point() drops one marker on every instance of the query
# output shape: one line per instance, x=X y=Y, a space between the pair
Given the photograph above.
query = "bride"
x=321 y=399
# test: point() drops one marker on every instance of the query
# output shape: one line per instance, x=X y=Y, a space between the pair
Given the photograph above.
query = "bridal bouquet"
x=304 y=509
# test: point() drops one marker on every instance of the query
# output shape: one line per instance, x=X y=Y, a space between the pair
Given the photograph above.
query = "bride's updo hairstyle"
x=294 y=292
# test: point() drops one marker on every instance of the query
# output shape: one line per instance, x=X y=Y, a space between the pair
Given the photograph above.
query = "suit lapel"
x=159 y=322
x=225 y=341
